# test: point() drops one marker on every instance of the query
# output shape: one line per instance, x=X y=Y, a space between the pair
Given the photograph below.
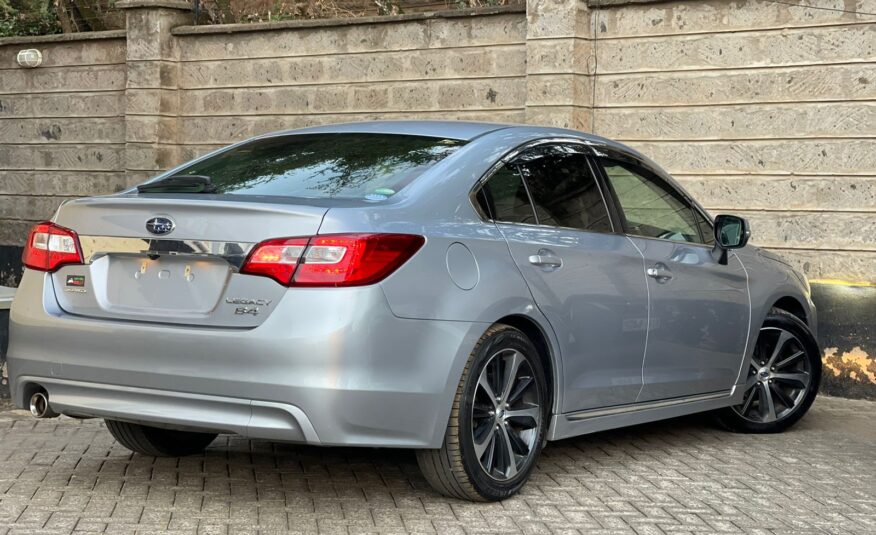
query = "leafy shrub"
x=28 y=17
x=40 y=17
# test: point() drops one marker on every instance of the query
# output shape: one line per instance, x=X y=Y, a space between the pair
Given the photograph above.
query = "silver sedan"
x=468 y=290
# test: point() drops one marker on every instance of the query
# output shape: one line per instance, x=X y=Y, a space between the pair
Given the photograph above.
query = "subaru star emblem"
x=160 y=225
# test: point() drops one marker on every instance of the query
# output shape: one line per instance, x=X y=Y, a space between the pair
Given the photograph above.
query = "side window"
x=503 y=198
x=651 y=208
x=563 y=189
x=706 y=230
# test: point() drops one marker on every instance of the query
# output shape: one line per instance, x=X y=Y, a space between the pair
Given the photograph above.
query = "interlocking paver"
x=669 y=478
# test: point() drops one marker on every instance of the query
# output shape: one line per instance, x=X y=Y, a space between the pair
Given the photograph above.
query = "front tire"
x=497 y=424
x=782 y=378
x=158 y=442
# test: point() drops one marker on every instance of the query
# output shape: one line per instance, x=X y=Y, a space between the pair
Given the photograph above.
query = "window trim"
x=488 y=218
x=624 y=158
x=616 y=227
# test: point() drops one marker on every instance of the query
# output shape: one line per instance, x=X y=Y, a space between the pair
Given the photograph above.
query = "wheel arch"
x=793 y=306
x=785 y=298
x=539 y=337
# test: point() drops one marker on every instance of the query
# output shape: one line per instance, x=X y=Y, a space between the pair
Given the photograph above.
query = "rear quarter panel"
x=465 y=271
x=435 y=284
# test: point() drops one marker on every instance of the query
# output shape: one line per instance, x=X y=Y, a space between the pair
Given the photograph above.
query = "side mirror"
x=731 y=232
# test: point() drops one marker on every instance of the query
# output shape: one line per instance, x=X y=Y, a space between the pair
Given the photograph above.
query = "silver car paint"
x=701 y=312
x=118 y=222
x=360 y=374
x=379 y=365
x=598 y=294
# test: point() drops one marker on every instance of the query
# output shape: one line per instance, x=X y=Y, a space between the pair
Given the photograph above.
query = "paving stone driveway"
x=681 y=476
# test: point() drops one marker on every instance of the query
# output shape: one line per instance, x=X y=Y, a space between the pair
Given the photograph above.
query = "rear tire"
x=158 y=442
x=782 y=378
x=492 y=442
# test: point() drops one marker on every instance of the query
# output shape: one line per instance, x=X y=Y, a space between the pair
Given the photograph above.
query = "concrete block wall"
x=62 y=126
x=759 y=108
x=766 y=110
x=107 y=110
x=233 y=86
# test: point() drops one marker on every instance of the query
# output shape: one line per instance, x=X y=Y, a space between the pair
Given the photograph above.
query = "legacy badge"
x=252 y=307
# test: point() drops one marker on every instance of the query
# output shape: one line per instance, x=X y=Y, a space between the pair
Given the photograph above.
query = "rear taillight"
x=50 y=246
x=332 y=259
x=275 y=258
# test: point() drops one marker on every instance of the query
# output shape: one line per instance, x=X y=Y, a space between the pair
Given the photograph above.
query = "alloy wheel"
x=779 y=377
x=506 y=415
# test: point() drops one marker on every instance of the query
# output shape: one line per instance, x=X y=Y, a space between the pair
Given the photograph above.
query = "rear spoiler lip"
x=255 y=202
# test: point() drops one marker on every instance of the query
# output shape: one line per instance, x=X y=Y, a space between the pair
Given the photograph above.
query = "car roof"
x=461 y=130
x=464 y=131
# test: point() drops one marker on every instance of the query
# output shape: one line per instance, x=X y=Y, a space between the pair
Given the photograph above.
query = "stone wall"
x=233 y=86
x=62 y=126
x=766 y=110
x=110 y=109
x=760 y=108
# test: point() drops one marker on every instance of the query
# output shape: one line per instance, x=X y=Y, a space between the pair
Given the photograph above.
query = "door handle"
x=659 y=272
x=546 y=259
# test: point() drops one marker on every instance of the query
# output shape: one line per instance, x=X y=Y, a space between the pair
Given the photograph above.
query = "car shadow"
x=345 y=471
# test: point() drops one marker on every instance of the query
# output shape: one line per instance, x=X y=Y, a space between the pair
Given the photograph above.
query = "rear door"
x=699 y=308
x=586 y=279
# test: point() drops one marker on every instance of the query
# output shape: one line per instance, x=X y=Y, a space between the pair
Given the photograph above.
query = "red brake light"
x=276 y=259
x=354 y=259
x=50 y=246
x=332 y=260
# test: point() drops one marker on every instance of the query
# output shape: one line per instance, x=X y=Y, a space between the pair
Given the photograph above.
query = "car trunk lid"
x=190 y=274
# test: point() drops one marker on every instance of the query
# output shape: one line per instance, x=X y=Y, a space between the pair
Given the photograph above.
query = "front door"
x=585 y=278
x=699 y=308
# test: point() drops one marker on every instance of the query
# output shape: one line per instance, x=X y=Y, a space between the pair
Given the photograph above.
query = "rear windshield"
x=346 y=166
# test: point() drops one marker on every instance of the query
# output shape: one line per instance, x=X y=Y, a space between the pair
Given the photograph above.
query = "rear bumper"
x=196 y=412
x=332 y=367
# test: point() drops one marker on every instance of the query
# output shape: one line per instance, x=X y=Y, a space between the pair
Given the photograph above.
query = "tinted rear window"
x=347 y=166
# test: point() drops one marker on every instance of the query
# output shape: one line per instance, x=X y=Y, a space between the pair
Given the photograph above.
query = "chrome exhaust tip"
x=39 y=406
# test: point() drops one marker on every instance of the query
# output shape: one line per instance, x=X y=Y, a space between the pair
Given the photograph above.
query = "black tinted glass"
x=503 y=198
x=351 y=166
x=563 y=190
x=706 y=230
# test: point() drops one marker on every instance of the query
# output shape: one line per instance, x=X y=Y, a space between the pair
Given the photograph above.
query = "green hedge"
x=28 y=17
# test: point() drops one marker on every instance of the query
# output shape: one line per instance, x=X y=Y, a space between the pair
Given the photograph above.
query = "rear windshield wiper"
x=179 y=184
